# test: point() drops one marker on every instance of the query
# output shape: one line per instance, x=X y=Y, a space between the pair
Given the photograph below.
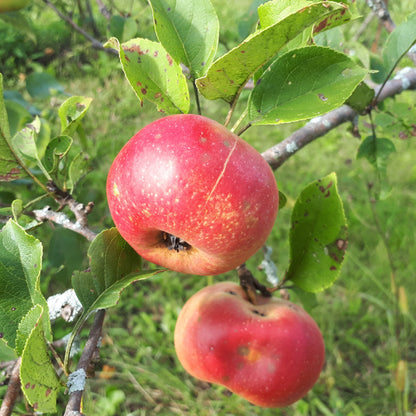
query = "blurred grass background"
x=367 y=331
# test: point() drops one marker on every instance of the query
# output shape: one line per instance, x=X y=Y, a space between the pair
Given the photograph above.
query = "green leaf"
x=188 y=30
x=25 y=328
x=78 y=168
x=113 y=265
x=318 y=236
x=71 y=112
x=9 y=167
x=24 y=144
x=38 y=378
x=399 y=42
x=111 y=258
x=20 y=266
x=361 y=97
x=302 y=84
x=42 y=85
x=17 y=208
x=153 y=74
x=55 y=151
x=273 y=11
x=227 y=76
x=377 y=151
x=18 y=116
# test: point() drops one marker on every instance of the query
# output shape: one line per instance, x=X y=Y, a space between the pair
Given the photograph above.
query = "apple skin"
x=12 y=5
x=271 y=353
x=190 y=177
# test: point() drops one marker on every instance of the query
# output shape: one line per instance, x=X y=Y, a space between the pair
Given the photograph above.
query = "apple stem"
x=251 y=285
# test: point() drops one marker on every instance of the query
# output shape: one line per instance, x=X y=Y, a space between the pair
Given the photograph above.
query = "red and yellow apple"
x=189 y=195
x=270 y=353
x=12 y=5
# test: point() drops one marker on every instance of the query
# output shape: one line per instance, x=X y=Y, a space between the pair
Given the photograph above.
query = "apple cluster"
x=189 y=195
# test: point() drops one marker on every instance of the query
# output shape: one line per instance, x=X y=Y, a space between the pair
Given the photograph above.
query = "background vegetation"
x=366 y=325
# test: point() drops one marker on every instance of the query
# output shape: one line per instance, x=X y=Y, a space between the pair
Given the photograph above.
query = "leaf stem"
x=238 y=122
x=198 y=104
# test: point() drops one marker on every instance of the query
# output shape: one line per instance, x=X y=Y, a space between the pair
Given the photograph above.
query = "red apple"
x=12 y=5
x=189 y=195
x=271 y=353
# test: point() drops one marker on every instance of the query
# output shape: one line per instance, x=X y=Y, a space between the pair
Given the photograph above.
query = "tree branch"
x=13 y=390
x=95 y=43
x=319 y=126
x=80 y=211
x=76 y=383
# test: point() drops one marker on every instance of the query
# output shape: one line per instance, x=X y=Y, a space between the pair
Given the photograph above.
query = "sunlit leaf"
x=153 y=74
x=20 y=265
x=302 y=84
x=38 y=378
x=228 y=74
x=71 y=113
x=24 y=143
x=188 y=30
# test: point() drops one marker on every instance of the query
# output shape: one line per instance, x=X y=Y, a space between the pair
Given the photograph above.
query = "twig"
x=95 y=43
x=80 y=211
x=47 y=214
x=74 y=403
x=13 y=390
x=319 y=126
x=379 y=8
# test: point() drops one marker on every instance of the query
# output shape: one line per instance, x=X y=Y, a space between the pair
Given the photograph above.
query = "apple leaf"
x=43 y=85
x=20 y=266
x=38 y=378
x=10 y=169
x=302 y=84
x=57 y=148
x=188 y=30
x=113 y=266
x=377 y=151
x=318 y=236
x=362 y=97
x=227 y=76
x=273 y=11
x=399 y=42
x=77 y=169
x=153 y=74
x=24 y=143
x=71 y=112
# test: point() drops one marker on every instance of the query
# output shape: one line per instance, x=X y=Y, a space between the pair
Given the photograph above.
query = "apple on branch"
x=189 y=195
x=271 y=353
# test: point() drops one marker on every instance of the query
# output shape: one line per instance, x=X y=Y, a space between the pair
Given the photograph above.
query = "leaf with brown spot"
x=318 y=241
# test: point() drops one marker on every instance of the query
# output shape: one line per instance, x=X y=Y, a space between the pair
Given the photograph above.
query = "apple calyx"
x=175 y=243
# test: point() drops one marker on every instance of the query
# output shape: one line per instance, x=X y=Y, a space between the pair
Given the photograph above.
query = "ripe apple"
x=189 y=195
x=270 y=353
x=12 y=5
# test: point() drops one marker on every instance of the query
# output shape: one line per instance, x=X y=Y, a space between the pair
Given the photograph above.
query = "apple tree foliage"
x=296 y=76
